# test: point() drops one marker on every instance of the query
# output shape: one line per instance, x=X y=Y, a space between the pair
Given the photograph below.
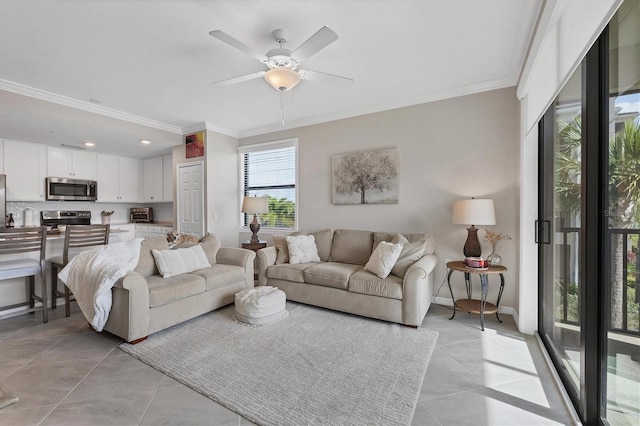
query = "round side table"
x=469 y=304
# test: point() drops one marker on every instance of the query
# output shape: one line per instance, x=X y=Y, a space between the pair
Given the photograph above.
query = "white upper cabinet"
x=118 y=178
x=152 y=181
x=25 y=165
x=167 y=178
x=1 y=156
x=71 y=163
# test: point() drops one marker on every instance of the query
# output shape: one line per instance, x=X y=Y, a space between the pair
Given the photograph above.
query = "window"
x=269 y=170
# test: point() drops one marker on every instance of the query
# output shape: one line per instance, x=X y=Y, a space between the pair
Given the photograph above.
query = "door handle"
x=543 y=231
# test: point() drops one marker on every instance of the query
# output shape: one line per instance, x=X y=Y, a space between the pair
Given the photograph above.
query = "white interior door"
x=191 y=199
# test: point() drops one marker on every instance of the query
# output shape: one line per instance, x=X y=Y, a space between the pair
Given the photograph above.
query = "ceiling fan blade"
x=222 y=36
x=314 y=44
x=240 y=79
x=322 y=77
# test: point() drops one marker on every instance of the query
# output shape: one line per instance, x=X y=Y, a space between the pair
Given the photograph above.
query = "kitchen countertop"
x=155 y=223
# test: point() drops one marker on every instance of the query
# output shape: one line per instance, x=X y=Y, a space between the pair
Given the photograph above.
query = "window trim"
x=264 y=146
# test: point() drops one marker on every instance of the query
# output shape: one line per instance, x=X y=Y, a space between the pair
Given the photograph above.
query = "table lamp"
x=473 y=212
x=255 y=205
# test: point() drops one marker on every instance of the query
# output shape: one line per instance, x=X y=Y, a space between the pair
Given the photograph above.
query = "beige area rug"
x=313 y=367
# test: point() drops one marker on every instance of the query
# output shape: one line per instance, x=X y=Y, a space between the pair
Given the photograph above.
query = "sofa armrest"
x=417 y=288
x=129 y=316
x=238 y=257
x=266 y=257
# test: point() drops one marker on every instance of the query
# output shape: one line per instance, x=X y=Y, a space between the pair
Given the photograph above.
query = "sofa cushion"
x=210 y=244
x=410 y=254
x=383 y=259
x=430 y=246
x=390 y=237
x=288 y=272
x=352 y=247
x=280 y=243
x=364 y=282
x=180 y=261
x=219 y=275
x=146 y=264
x=323 y=241
x=330 y=274
x=302 y=249
x=163 y=291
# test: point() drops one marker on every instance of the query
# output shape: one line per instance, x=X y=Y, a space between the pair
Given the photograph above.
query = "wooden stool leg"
x=67 y=301
x=43 y=289
x=54 y=286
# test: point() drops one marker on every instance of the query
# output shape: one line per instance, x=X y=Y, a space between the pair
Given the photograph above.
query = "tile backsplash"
x=162 y=212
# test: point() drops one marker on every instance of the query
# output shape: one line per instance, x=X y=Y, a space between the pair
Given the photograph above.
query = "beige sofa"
x=144 y=302
x=339 y=281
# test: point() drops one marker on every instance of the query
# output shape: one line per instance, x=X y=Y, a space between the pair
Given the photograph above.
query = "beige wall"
x=451 y=149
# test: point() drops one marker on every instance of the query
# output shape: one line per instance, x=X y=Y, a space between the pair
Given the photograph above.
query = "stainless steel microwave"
x=71 y=189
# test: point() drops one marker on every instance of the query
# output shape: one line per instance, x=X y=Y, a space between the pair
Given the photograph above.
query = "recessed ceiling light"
x=89 y=144
x=144 y=141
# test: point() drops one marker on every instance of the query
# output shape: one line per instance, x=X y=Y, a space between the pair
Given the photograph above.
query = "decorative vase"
x=494 y=258
x=106 y=220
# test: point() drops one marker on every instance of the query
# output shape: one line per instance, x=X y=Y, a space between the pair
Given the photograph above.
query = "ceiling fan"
x=282 y=71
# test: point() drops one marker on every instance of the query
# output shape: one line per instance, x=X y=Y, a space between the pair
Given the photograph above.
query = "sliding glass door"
x=589 y=227
x=559 y=230
x=622 y=381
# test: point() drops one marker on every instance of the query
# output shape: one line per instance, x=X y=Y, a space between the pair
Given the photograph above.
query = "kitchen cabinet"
x=152 y=180
x=71 y=163
x=118 y=178
x=25 y=165
x=167 y=178
x=144 y=230
x=1 y=156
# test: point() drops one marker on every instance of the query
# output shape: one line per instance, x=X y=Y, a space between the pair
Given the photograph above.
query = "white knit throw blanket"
x=91 y=274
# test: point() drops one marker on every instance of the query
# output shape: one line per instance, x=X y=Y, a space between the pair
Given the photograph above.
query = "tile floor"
x=64 y=373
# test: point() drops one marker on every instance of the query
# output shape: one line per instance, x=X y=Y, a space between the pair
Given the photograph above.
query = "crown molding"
x=385 y=106
x=205 y=125
x=43 y=95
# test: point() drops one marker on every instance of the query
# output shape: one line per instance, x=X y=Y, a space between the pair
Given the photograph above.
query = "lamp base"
x=472 y=245
x=255 y=227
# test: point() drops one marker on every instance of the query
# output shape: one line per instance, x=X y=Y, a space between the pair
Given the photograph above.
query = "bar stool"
x=20 y=241
x=76 y=237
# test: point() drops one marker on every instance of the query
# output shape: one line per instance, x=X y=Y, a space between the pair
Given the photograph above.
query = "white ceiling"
x=151 y=64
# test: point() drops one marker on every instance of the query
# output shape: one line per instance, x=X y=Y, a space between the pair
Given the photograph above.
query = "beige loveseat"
x=339 y=281
x=144 y=302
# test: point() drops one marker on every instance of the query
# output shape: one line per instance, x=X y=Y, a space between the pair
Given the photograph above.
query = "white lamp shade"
x=282 y=78
x=255 y=205
x=473 y=212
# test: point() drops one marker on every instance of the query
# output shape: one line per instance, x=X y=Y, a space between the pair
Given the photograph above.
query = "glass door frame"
x=594 y=256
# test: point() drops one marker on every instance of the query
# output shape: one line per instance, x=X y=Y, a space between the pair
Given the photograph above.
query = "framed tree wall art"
x=194 y=144
x=365 y=177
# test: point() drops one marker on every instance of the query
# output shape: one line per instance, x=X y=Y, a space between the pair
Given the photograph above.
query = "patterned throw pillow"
x=383 y=259
x=302 y=249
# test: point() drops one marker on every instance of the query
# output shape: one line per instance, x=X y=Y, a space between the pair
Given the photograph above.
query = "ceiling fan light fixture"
x=282 y=79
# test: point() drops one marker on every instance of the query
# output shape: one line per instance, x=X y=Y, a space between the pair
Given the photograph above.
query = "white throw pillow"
x=180 y=261
x=302 y=249
x=383 y=258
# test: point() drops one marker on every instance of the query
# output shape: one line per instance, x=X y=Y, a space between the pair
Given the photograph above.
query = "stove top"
x=54 y=218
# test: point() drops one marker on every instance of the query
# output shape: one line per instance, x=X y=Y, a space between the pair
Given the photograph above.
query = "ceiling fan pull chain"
x=282 y=106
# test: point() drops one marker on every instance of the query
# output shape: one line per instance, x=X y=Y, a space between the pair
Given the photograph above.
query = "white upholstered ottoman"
x=260 y=305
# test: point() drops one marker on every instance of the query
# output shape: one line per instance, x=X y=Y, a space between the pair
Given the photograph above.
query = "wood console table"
x=476 y=306
x=255 y=246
